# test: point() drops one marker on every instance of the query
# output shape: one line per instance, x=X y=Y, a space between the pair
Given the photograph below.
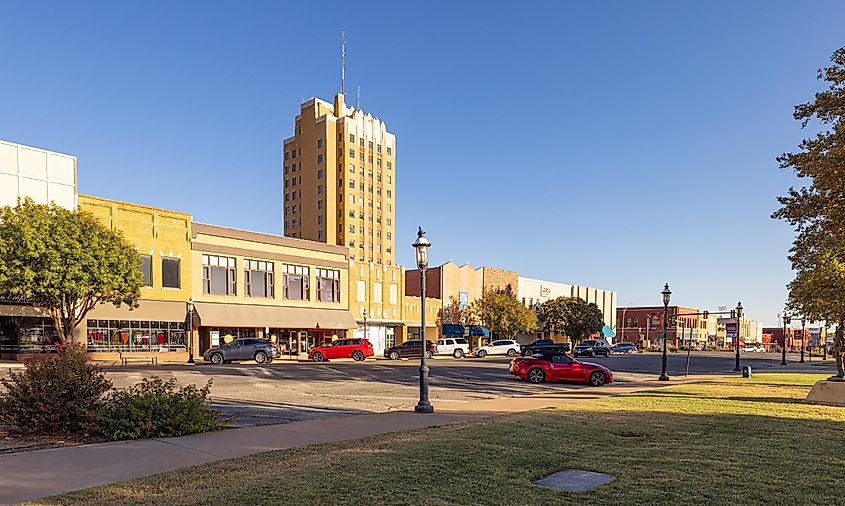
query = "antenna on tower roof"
x=342 y=60
x=358 y=99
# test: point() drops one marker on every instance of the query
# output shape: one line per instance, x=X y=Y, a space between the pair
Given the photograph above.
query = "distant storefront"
x=25 y=329
x=295 y=329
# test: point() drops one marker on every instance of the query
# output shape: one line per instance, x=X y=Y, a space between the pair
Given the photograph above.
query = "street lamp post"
x=738 y=321
x=365 y=324
x=190 y=333
x=803 y=326
x=666 y=295
x=421 y=246
x=786 y=320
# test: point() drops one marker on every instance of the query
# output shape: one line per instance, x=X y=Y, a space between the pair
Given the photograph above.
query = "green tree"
x=571 y=316
x=66 y=262
x=817 y=210
x=455 y=314
x=503 y=314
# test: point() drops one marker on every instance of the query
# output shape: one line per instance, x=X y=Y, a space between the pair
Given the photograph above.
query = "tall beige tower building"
x=340 y=180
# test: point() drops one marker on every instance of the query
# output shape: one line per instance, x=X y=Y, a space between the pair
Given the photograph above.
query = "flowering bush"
x=54 y=393
x=157 y=408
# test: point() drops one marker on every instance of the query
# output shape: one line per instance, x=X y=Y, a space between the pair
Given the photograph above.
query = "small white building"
x=45 y=176
x=532 y=292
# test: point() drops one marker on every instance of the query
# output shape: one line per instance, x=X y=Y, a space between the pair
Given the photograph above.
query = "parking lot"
x=255 y=394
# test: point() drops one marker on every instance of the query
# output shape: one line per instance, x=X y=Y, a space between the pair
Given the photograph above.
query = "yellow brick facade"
x=156 y=232
x=339 y=180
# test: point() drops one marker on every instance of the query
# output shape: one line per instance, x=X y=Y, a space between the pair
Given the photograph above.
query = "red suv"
x=358 y=349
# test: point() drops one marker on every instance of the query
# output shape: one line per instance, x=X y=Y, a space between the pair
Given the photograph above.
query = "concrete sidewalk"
x=30 y=475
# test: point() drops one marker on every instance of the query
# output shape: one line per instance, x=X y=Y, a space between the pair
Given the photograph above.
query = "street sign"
x=730 y=329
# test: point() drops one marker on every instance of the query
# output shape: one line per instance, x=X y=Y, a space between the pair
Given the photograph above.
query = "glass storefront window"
x=135 y=335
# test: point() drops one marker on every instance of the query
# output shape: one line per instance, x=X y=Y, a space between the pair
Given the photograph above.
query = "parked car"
x=752 y=349
x=507 y=347
x=357 y=349
x=624 y=348
x=260 y=350
x=410 y=349
x=559 y=367
x=592 y=347
x=455 y=346
x=544 y=346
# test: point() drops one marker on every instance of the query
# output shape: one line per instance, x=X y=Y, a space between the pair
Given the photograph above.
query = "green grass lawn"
x=727 y=441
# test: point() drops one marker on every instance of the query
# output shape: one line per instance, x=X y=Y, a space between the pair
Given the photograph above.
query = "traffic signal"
x=706 y=314
x=733 y=313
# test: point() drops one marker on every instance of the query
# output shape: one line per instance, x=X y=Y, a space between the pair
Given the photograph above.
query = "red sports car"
x=359 y=349
x=559 y=367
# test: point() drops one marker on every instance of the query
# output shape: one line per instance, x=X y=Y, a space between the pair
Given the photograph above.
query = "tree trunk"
x=839 y=346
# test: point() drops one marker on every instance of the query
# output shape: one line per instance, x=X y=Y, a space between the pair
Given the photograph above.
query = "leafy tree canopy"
x=571 y=316
x=455 y=314
x=67 y=262
x=503 y=314
x=817 y=210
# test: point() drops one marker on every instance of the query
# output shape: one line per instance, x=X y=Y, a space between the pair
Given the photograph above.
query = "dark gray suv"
x=260 y=350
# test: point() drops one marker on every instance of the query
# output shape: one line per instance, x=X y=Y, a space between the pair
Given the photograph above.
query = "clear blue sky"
x=613 y=144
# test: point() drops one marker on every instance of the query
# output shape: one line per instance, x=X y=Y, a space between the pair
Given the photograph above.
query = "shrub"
x=54 y=393
x=157 y=408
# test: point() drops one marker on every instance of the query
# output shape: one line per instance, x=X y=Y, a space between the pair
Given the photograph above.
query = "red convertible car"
x=559 y=367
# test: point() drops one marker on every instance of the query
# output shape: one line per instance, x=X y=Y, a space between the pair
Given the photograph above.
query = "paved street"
x=287 y=391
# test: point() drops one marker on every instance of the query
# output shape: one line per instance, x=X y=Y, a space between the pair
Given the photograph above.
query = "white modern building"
x=532 y=292
x=45 y=176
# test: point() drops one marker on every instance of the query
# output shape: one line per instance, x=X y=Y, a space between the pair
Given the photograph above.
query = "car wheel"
x=536 y=375
x=318 y=357
x=459 y=353
x=524 y=351
x=216 y=358
x=357 y=355
x=481 y=353
x=394 y=355
x=511 y=352
x=592 y=353
x=597 y=378
x=260 y=357
x=427 y=354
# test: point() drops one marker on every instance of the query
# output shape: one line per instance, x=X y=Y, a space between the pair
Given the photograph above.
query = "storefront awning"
x=247 y=315
x=23 y=310
x=155 y=310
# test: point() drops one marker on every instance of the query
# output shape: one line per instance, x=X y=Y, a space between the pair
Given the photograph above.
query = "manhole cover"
x=575 y=480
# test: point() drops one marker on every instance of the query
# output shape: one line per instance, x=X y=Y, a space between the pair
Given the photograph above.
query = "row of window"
x=369 y=172
x=171 y=271
x=219 y=277
x=361 y=143
x=361 y=216
x=369 y=159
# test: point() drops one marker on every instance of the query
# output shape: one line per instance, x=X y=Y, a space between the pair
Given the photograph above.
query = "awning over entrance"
x=606 y=332
x=248 y=315
x=23 y=310
x=155 y=310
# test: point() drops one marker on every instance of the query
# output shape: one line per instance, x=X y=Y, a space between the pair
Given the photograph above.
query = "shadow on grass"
x=664 y=394
x=658 y=458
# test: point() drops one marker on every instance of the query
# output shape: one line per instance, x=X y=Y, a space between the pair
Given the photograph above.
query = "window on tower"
x=389 y=150
x=351 y=137
x=351 y=153
x=370 y=144
x=319 y=143
x=319 y=173
x=319 y=158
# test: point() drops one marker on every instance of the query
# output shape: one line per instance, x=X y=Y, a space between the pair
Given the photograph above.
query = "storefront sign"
x=544 y=291
x=215 y=338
